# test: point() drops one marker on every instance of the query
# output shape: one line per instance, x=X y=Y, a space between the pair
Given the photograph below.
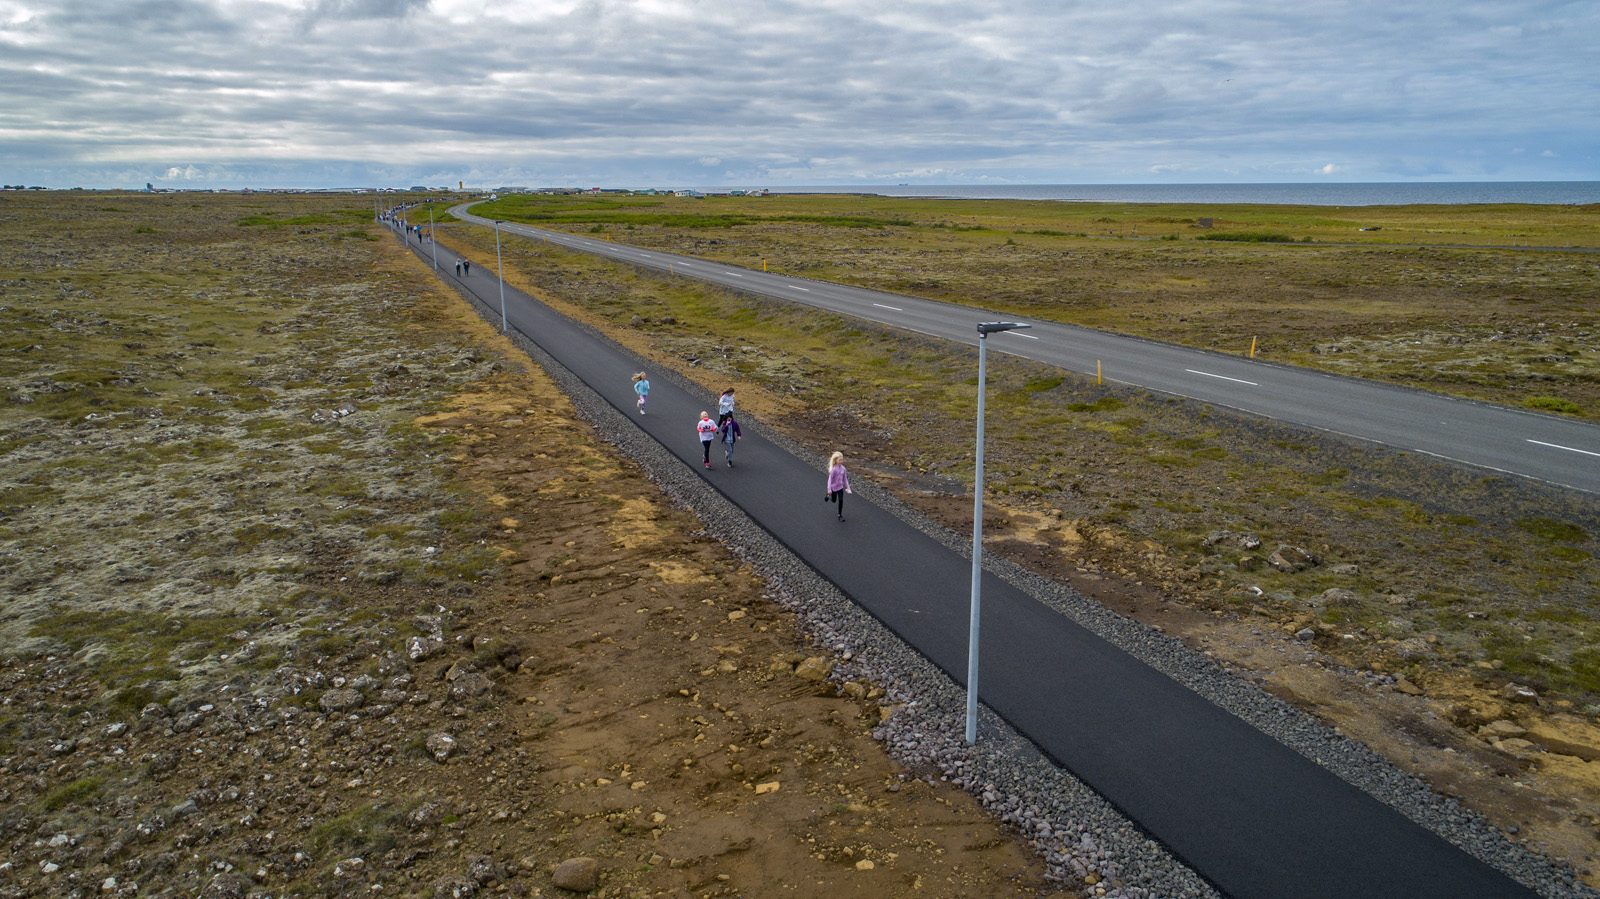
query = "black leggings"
x=837 y=496
x=706 y=445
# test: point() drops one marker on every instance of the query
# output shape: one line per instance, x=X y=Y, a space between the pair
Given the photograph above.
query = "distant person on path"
x=838 y=482
x=729 y=435
x=641 y=386
x=458 y=268
x=725 y=406
x=466 y=267
x=708 y=430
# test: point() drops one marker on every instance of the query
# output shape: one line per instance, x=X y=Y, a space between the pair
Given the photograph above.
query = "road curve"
x=1558 y=451
x=1249 y=814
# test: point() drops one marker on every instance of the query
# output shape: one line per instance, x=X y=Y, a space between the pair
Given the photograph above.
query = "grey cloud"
x=801 y=91
x=366 y=9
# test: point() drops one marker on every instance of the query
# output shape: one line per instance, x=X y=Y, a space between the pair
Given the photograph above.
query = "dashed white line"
x=890 y=308
x=1570 y=449
x=1020 y=334
x=797 y=287
x=1222 y=377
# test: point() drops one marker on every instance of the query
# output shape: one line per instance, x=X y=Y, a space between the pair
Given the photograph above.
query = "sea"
x=1552 y=193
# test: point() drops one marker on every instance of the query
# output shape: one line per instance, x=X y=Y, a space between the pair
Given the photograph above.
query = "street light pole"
x=501 y=266
x=984 y=330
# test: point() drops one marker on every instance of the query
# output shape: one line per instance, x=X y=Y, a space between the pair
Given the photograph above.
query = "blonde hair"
x=639 y=376
x=836 y=459
x=704 y=414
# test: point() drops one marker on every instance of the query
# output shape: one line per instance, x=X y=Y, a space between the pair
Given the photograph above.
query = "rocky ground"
x=314 y=588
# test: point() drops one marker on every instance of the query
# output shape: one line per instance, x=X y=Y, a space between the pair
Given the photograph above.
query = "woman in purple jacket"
x=838 y=482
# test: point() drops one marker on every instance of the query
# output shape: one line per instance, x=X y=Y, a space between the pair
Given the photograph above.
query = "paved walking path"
x=1252 y=816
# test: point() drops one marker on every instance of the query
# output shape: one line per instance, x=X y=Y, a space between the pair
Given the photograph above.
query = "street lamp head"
x=987 y=328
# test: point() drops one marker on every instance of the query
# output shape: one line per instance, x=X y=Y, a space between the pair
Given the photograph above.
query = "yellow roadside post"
x=1252 y=348
x=1097 y=371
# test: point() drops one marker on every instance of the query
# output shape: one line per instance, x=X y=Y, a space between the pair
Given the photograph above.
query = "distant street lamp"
x=501 y=266
x=984 y=330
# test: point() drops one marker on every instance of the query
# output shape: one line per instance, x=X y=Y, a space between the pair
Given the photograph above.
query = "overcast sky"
x=672 y=93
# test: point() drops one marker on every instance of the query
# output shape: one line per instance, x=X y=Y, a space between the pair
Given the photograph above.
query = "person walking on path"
x=466 y=267
x=725 y=406
x=708 y=430
x=838 y=482
x=641 y=386
x=458 y=268
x=729 y=434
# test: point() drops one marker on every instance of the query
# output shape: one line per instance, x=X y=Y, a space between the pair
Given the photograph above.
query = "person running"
x=838 y=482
x=729 y=434
x=725 y=406
x=641 y=386
x=708 y=430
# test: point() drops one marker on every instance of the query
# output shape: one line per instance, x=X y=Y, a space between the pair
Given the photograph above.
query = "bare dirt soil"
x=312 y=588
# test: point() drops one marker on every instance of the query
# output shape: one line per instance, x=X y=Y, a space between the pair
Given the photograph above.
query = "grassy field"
x=1435 y=299
x=1480 y=569
x=1435 y=597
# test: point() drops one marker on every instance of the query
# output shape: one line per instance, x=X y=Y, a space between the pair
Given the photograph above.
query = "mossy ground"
x=252 y=446
x=1441 y=551
x=1437 y=298
x=1165 y=509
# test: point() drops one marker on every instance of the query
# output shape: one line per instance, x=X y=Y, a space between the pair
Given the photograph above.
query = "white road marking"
x=735 y=274
x=797 y=287
x=1222 y=377
x=1020 y=334
x=1570 y=449
x=890 y=308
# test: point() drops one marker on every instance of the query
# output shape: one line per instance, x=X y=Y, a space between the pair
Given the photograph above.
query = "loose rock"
x=577 y=874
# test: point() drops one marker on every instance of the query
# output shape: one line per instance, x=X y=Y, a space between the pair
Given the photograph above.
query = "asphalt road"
x=1255 y=818
x=1543 y=447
